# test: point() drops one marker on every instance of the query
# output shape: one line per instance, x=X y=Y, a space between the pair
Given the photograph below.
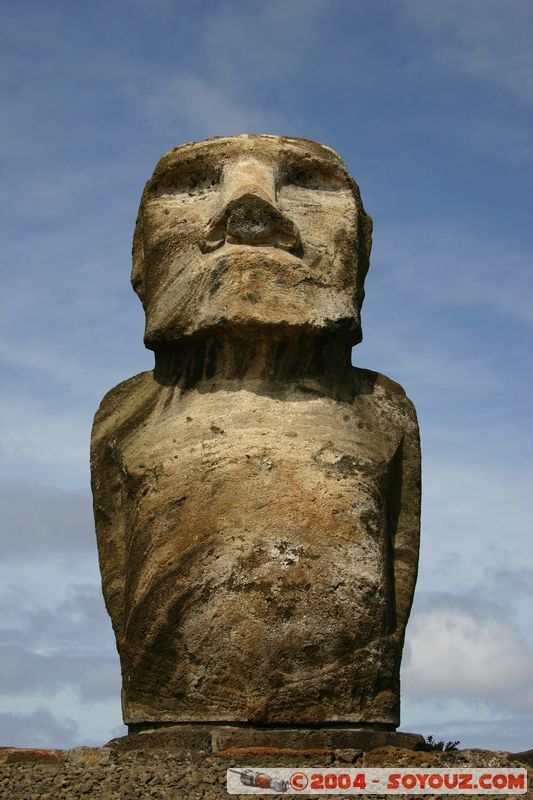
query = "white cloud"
x=96 y=721
x=57 y=661
x=75 y=623
x=39 y=728
x=37 y=521
x=23 y=670
x=101 y=680
x=474 y=523
x=69 y=644
x=466 y=654
x=58 y=655
x=51 y=445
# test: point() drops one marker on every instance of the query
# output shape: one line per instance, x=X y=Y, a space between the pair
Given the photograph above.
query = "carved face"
x=250 y=232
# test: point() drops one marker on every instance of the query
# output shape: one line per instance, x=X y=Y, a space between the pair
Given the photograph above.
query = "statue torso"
x=261 y=523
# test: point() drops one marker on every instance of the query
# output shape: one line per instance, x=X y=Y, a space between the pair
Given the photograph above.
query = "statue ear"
x=364 y=246
x=364 y=239
x=367 y=227
x=137 y=253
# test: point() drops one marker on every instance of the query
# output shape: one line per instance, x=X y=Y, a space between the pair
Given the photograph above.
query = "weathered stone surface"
x=256 y=497
x=88 y=755
x=30 y=755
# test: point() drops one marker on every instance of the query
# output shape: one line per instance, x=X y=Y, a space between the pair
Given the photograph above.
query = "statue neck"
x=286 y=358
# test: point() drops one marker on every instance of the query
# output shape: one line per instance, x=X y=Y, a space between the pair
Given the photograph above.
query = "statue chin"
x=245 y=288
x=244 y=317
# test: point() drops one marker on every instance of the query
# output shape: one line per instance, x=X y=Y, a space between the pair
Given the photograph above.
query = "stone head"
x=250 y=233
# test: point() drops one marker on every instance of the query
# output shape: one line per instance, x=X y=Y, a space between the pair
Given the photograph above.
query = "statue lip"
x=270 y=251
x=210 y=244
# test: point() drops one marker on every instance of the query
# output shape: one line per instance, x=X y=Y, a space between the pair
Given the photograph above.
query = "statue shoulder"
x=123 y=406
x=387 y=397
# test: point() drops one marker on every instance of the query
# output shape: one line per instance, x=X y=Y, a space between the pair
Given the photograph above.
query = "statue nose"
x=251 y=219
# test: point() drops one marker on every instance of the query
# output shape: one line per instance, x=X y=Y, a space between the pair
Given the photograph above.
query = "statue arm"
x=405 y=516
x=107 y=488
x=121 y=411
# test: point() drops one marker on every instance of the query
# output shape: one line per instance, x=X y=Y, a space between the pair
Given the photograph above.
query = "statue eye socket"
x=192 y=181
x=313 y=178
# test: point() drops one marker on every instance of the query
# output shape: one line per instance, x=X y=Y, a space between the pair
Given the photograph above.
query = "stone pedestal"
x=248 y=740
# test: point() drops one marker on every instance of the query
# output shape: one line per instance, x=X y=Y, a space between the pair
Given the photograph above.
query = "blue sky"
x=429 y=104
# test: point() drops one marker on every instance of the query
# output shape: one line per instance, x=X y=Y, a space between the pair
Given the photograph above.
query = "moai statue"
x=257 y=498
